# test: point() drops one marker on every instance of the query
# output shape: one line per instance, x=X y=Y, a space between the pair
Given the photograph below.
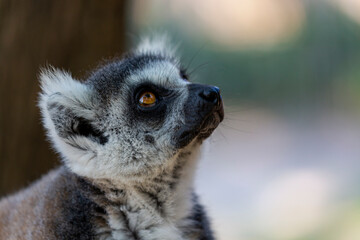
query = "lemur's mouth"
x=203 y=129
x=210 y=123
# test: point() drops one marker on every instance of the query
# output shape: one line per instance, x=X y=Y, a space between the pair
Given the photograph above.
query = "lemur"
x=129 y=137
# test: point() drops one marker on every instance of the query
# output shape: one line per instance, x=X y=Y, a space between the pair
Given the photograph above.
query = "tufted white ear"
x=59 y=85
x=68 y=111
x=156 y=44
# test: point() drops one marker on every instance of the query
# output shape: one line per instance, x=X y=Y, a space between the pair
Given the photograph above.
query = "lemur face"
x=131 y=117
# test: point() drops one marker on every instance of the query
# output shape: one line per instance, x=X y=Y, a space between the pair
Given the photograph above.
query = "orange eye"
x=147 y=99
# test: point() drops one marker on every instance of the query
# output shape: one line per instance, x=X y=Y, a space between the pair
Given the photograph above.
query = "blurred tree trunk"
x=73 y=35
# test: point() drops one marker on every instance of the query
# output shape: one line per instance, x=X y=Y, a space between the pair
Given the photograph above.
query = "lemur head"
x=131 y=117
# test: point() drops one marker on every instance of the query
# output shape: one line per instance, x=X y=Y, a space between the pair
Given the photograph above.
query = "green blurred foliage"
x=314 y=68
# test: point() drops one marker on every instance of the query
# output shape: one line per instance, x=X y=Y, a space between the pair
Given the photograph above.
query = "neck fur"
x=154 y=206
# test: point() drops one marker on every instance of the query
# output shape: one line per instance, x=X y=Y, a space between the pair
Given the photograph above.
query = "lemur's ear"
x=156 y=44
x=68 y=110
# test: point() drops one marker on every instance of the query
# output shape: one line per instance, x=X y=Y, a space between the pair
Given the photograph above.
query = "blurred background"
x=284 y=164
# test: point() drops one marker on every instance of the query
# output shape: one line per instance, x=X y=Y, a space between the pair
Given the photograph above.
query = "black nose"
x=211 y=94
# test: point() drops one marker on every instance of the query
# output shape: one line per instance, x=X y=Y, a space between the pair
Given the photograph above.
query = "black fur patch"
x=67 y=124
x=83 y=127
x=153 y=198
x=76 y=210
x=184 y=74
x=200 y=220
x=127 y=226
x=150 y=139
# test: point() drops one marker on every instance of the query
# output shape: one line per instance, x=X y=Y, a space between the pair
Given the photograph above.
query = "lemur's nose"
x=211 y=94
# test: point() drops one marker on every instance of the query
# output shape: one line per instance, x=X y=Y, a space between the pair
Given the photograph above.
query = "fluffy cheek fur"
x=130 y=152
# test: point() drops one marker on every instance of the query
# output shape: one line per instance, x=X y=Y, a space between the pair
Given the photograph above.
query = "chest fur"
x=140 y=214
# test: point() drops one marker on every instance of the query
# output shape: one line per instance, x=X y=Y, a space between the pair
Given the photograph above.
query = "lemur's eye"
x=147 y=99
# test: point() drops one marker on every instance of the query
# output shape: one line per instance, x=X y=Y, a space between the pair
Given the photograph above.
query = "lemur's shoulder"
x=60 y=206
x=53 y=207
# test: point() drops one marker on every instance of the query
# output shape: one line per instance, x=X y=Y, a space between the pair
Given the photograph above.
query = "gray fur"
x=125 y=174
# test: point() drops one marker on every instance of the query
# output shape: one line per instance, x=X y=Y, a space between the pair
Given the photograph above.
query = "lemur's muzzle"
x=203 y=113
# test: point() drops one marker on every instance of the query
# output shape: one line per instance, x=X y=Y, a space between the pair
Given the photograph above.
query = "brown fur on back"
x=42 y=210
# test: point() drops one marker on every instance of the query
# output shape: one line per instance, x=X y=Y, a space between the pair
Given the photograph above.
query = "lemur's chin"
x=200 y=127
x=210 y=124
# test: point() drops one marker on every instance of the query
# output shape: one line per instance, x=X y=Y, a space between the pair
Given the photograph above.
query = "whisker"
x=233 y=112
x=239 y=107
x=195 y=55
x=238 y=130
x=198 y=67
x=223 y=136
x=227 y=118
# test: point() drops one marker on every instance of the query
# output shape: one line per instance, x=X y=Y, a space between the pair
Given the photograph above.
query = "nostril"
x=211 y=94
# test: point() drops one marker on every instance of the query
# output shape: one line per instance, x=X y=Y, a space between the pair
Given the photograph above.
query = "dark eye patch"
x=152 y=117
x=160 y=93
